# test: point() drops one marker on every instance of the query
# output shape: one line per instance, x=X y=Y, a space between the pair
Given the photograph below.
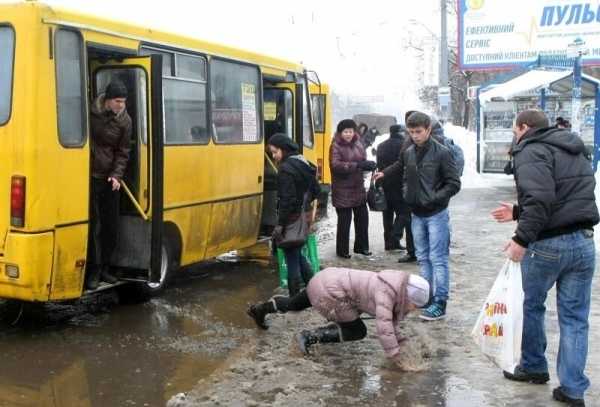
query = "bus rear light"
x=17 y=201
x=319 y=169
x=12 y=271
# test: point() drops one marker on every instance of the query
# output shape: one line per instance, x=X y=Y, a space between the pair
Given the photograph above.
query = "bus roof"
x=69 y=18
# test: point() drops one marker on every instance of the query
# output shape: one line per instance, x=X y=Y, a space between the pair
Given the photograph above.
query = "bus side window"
x=235 y=112
x=69 y=88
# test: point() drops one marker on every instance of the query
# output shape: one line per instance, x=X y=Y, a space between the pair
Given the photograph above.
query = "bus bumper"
x=26 y=267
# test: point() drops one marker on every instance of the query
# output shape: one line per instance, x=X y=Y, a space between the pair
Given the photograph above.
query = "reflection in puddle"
x=371 y=383
x=135 y=354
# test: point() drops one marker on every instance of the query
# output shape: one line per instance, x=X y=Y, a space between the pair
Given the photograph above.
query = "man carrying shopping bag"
x=554 y=243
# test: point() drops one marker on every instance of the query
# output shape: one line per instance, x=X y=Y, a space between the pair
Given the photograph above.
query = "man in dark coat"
x=396 y=218
x=110 y=127
x=556 y=213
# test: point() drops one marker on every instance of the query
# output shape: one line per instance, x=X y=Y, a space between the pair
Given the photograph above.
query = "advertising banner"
x=495 y=34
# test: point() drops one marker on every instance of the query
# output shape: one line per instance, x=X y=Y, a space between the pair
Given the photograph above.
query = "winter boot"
x=92 y=278
x=107 y=276
x=258 y=312
x=327 y=334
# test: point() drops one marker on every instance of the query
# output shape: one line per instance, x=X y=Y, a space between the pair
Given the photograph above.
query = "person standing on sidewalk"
x=348 y=161
x=110 y=127
x=295 y=177
x=396 y=218
x=430 y=180
x=555 y=214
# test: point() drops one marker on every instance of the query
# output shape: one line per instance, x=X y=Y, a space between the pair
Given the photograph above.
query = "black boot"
x=327 y=334
x=258 y=312
x=107 y=277
x=92 y=278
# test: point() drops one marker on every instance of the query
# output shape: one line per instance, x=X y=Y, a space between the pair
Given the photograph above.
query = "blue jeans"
x=432 y=248
x=298 y=269
x=569 y=261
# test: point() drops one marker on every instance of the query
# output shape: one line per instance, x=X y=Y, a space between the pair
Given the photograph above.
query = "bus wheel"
x=11 y=312
x=140 y=292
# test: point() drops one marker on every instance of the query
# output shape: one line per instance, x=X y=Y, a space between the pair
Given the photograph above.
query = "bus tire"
x=144 y=291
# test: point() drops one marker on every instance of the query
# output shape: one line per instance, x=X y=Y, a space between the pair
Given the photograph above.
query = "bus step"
x=104 y=286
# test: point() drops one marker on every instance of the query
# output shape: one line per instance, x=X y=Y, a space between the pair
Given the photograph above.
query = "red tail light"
x=17 y=201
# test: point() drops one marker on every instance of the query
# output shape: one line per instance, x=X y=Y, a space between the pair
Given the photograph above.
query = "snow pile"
x=467 y=140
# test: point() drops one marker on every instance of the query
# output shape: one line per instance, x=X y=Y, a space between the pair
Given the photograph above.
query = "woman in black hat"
x=348 y=161
x=295 y=177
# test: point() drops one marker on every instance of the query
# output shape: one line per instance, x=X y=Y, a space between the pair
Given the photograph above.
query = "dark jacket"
x=387 y=154
x=555 y=185
x=110 y=137
x=347 y=185
x=430 y=177
x=295 y=177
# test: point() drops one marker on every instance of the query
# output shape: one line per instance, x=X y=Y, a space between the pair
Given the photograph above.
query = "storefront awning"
x=529 y=81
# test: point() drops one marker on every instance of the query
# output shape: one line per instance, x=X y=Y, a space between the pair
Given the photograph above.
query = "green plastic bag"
x=309 y=250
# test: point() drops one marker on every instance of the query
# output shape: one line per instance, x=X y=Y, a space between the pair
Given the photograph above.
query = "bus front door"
x=139 y=244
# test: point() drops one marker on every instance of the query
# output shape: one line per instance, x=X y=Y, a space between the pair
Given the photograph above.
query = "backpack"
x=455 y=150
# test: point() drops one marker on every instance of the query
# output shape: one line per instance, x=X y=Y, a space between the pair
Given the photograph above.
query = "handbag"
x=296 y=232
x=376 y=198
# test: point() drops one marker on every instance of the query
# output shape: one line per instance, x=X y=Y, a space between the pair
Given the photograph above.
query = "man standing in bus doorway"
x=110 y=126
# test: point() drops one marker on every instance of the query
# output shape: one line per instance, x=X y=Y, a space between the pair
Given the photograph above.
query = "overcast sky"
x=356 y=46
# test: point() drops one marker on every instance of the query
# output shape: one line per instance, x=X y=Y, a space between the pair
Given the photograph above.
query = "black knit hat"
x=115 y=90
x=396 y=128
x=283 y=142
x=346 y=124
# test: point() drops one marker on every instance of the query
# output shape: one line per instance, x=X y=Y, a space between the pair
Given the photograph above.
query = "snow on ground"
x=467 y=140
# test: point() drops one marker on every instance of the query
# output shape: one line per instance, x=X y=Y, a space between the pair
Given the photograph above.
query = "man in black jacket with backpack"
x=556 y=213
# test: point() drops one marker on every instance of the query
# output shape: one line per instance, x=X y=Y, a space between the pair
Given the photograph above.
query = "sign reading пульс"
x=505 y=33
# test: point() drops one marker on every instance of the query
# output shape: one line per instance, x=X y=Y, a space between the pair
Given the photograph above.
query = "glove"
x=277 y=234
x=367 y=165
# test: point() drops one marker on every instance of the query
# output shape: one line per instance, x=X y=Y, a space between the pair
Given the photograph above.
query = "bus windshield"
x=7 y=50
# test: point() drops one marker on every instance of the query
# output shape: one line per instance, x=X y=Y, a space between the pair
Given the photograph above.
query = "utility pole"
x=577 y=50
x=444 y=98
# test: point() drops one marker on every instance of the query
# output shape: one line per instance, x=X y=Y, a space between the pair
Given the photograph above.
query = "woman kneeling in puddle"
x=341 y=295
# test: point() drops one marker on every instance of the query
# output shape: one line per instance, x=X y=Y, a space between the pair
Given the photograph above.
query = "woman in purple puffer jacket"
x=341 y=295
x=348 y=161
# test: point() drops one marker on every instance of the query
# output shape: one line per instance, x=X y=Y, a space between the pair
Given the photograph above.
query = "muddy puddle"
x=99 y=353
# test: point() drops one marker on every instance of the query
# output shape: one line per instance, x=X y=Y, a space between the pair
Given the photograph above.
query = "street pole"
x=576 y=101
x=445 y=105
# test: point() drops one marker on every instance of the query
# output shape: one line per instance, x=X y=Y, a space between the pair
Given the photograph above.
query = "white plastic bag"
x=499 y=326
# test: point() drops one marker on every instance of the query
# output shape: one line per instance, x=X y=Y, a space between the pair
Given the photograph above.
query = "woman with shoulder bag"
x=348 y=161
x=297 y=186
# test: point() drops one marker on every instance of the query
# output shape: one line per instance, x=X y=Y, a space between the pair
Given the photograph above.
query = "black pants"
x=350 y=331
x=361 y=229
x=298 y=269
x=396 y=224
x=104 y=221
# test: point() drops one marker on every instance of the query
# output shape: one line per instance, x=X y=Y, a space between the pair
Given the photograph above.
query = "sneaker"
x=437 y=310
x=559 y=395
x=520 y=375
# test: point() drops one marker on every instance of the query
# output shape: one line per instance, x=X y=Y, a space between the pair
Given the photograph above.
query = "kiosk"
x=547 y=89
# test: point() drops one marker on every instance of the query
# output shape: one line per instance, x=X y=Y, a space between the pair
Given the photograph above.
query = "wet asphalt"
x=98 y=352
x=195 y=343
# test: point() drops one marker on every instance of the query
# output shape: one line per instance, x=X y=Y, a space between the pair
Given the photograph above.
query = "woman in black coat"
x=295 y=178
